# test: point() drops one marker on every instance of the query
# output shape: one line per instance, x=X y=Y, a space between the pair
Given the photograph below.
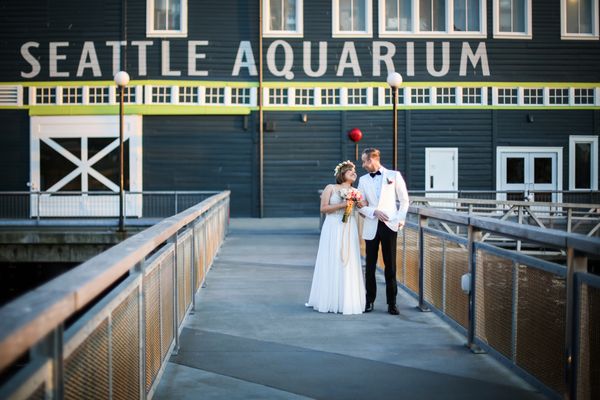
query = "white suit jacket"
x=393 y=201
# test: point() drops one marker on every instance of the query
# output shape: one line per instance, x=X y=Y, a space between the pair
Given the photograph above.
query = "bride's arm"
x=327 y=208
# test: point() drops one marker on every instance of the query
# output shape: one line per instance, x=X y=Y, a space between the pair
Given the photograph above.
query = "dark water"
x=19 y=278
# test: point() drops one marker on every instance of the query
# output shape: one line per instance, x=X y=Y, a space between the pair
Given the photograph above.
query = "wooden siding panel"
x=200 y=153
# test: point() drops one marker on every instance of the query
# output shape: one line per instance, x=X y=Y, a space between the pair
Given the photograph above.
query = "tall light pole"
x=394 y=79
x=121 y=79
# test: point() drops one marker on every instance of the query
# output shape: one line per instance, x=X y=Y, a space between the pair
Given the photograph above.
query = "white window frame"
x=593 y=140
x=299 y=32
x=449 y=31
x=152 y=32
x=578 y=36
x=368 y=23
x=511 y=35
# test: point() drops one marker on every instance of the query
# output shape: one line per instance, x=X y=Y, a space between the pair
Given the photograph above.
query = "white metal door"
x=525 y=172
x=441 y=170
x=80 y=146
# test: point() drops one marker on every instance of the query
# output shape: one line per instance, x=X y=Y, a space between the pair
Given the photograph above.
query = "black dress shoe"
x=392 y=309
x=369 y=307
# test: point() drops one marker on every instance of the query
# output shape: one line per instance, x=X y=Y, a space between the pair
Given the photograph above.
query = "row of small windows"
x=397 y=18
x=363 y=96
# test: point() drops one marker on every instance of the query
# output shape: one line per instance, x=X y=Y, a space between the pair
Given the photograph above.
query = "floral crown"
x=338 y=167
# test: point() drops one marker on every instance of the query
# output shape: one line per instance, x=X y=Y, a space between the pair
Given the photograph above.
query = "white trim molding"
x=593 y=142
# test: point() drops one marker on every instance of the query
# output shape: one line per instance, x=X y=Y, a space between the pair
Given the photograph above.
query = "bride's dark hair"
x=341 y=170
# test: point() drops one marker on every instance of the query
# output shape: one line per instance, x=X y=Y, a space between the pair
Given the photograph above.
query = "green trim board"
x=136 y=109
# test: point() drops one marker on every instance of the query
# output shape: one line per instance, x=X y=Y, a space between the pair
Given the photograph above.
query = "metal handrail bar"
x=502 y=202
x=32 y=316
x=546 y=237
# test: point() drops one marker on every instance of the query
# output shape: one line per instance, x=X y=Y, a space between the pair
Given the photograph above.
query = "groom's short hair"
x=372 y=152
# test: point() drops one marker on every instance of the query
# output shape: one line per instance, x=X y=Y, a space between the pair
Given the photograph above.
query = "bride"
x=338 y=284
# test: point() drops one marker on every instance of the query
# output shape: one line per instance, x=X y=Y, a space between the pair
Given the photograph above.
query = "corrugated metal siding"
x=470 y=131
x=14 y=150
x=225 y=23
x=299 y=161
x=201 y=153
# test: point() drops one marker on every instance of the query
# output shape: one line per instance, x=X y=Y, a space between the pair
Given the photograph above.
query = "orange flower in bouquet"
x=352 y=196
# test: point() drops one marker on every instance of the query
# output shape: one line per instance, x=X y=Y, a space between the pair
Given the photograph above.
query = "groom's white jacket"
x=393 y=201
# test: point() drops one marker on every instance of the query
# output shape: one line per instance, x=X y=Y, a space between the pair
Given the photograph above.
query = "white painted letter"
x=480 y=54
x=166 y=60
x=386 y=58
x=193 y=56
x=286 y=71
x=35 y=64
x=142 y=55
x=307 y=60
x=88 y=51
x=349 y=52
x=54 y=57
x=116 y=58
x=410 y=58
x=445 y=59
x=244 y=52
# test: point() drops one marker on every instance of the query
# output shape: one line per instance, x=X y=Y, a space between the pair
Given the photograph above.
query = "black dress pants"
x=387 y=238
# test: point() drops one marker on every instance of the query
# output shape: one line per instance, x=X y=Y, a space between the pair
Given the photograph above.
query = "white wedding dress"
x=338 y=284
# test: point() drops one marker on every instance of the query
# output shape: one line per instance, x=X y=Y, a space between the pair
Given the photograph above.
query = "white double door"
x=74 y=164
x=523 y=171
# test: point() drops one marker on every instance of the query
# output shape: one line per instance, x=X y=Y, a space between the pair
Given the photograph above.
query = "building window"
x=166 y=18
x=446 y=96
x=461 y=18
x=420 y=96
x=583 y=162
x=240 y=96
x=129 y=94
x=558 y=96
x=72 y=95
x=357 y=96
x=387 y=96
x=278 y=96
x=471 y=96
x=305 y=97
x=188 y=95
x=98 y=95
x=352 y=18
x=507 y=96
x=584 y=97
x=533 y=96
x=512 y=19
x=330 y=97
x=161 y=94
x=45 y=95
x=579 y=19
x=432 y=15
x=282 y=18
x=214 y=95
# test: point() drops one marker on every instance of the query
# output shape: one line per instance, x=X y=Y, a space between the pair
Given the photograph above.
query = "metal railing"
x=106 y=328
x=539 y=317
x=97 y=204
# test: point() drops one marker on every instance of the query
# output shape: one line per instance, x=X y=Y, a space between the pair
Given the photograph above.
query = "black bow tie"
x=374 y=173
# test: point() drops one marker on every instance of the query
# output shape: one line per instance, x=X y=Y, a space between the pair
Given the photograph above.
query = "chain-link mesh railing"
x=119 y=346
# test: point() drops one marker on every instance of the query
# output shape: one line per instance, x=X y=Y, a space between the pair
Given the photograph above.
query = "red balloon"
x=355 y=135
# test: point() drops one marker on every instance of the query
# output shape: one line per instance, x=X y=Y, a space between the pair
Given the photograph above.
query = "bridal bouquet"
x=354 y=196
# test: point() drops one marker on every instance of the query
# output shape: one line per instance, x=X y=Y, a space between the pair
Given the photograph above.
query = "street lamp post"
x=121 y=79
x=394 y=79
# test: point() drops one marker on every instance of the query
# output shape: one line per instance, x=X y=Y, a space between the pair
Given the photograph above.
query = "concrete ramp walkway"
x=251 y=336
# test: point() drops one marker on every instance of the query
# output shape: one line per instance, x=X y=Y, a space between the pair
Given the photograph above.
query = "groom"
x=385 y=192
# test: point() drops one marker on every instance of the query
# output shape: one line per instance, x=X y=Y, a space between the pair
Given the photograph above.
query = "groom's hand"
x=380 y=215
